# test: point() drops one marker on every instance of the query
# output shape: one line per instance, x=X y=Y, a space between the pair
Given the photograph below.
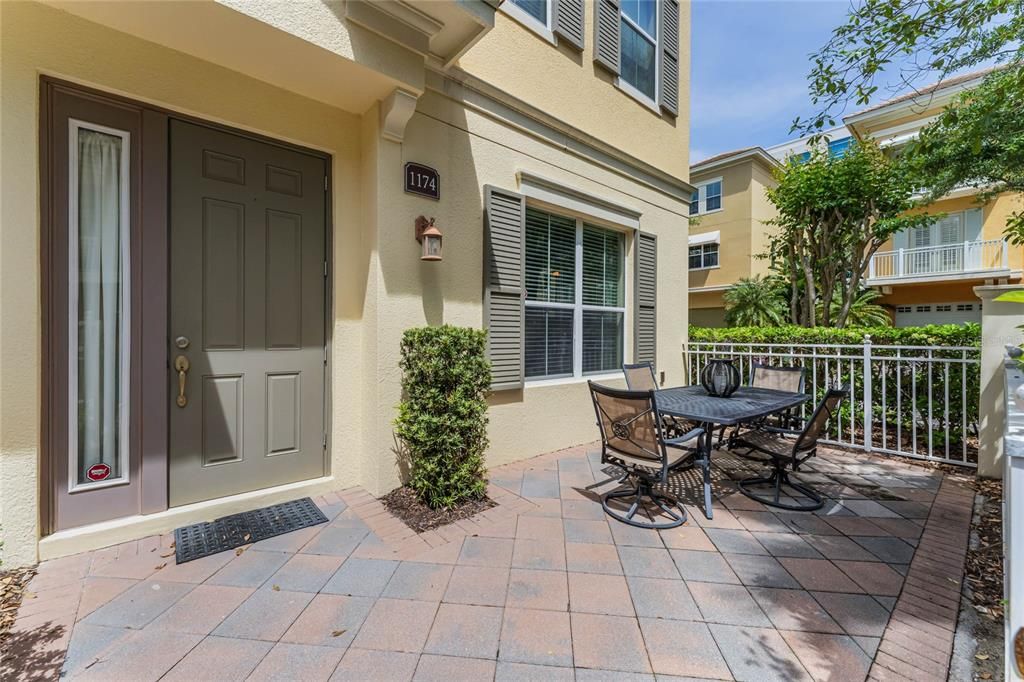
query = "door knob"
x=181 y=364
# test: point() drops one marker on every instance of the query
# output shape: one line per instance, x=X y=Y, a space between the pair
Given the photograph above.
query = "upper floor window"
x=538 y=9
x=703 y=256
x=837 y=148
x=575 y=304
x=707 y=198
x=639 y=52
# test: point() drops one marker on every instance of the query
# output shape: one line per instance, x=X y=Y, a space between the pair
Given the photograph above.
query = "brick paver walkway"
x=542 y=587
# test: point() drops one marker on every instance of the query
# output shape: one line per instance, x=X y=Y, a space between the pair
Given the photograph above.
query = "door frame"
x=152 y=281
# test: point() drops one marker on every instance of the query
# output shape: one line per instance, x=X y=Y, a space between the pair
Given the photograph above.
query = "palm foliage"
x=755 y=302
x=864 y=312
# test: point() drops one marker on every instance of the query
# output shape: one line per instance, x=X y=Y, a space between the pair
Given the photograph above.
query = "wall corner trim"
x=395 y=111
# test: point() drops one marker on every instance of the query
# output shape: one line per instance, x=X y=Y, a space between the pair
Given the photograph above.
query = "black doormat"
x=229 y=532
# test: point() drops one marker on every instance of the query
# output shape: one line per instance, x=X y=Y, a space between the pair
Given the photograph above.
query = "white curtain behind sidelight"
x=100 y=305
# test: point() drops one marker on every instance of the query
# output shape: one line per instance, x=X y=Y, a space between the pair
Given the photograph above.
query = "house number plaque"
x=422 y=180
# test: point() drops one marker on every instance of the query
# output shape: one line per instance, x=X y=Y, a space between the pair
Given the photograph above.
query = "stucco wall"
x=734 y=224
x=380 y=285
x=471 y=150
x=568 y=84
x=38 y=40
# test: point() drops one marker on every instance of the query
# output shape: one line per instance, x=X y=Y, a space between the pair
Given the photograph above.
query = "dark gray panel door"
x=247 y=295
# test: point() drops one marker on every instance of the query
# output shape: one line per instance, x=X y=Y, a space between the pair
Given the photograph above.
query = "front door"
x=246 y=333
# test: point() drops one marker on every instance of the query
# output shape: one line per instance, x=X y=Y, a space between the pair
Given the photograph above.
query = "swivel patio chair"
x=640 y=377
x=633 y=439
x=789 y=379
x=788 y=449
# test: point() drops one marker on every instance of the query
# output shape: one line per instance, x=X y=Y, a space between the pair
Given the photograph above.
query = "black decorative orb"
x=720 y=377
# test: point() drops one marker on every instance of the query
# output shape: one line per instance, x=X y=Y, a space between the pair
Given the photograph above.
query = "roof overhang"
x=756 y=154
x=932 y=98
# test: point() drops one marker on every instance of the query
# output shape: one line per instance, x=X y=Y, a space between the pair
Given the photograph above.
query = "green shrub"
x=442 y=419
x=931 y=335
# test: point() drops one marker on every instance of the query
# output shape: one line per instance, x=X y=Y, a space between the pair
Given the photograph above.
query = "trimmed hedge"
x=442 y=419
x=932 y=335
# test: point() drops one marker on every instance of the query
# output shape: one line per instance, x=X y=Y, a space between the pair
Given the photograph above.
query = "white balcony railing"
x=932 y=261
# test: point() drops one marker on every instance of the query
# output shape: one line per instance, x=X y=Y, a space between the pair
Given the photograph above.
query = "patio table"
x=746 y=404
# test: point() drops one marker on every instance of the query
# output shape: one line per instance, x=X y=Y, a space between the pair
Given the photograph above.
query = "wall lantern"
x=429 y=236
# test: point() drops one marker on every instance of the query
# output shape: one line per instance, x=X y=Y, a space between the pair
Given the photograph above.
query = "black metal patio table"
x=747 y=404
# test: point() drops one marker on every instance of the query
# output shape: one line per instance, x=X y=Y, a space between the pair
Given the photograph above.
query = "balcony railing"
x=936 y=261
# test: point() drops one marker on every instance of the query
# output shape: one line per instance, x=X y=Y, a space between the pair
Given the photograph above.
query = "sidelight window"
x=98 y=261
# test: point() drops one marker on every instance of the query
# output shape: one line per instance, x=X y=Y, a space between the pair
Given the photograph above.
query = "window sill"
x=712 y=267
x=561 y=381
x=527 y=21
x=698 y=215
x=637 y=95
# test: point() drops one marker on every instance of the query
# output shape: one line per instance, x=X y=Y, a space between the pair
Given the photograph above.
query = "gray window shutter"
x=504 y=230
x=645 y=322
x=607 y=34
x=669 y=40
x=569 y=21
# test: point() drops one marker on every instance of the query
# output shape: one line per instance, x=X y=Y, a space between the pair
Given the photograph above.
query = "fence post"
x=866 y=398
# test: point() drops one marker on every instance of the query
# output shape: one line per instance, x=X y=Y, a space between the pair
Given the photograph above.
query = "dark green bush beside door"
x=442 y=419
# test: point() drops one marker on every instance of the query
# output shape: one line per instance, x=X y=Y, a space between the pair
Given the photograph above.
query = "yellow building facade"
x=247 y=169
x=730 y=229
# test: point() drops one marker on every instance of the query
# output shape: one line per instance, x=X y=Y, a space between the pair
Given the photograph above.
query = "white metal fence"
x=915 y=401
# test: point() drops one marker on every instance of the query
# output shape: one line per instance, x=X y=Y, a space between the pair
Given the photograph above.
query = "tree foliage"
x=903 y=42
x=834 y=213
x=755 y=302
x=977 y=141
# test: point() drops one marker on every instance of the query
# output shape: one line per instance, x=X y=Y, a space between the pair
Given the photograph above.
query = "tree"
x=755 y=302
x=921 y=39
x=977 y=141
x=864 y=312
x=834 y=213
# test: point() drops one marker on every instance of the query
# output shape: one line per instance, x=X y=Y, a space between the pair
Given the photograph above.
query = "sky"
x=750 y=66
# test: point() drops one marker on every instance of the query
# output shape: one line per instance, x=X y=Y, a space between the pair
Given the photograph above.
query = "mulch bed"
x=12 y=590
x=984 y=578
x=403 y=503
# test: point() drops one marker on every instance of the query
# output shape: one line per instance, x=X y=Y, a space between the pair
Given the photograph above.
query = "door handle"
x=181 y=364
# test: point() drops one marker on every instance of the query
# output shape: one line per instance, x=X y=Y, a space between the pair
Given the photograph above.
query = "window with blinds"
x=575 y=304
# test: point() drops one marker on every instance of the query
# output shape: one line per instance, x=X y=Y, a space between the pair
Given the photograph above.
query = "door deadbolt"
x=181 y=342
x=181 y=365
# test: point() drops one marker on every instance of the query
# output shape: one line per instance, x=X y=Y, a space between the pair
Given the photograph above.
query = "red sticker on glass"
x=98 y=472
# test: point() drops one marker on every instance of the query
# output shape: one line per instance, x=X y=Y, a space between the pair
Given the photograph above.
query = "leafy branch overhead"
x=905 y=42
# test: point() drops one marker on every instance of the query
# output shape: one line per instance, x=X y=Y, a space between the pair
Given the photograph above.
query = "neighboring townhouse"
x=210 y=221
x=730 y=231
x=927 y=275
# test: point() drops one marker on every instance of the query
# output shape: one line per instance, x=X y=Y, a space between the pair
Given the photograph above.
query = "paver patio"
x=543 y=586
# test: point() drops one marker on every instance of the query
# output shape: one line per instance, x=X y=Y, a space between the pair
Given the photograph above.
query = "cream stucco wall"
x=380 y=286
x=36 y=40
x=470 y=150
x=567 y=84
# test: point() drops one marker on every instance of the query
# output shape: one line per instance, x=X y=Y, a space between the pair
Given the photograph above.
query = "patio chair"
x=641 y=377
x=780 y=379
x=788 y=448
x=633 y=439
